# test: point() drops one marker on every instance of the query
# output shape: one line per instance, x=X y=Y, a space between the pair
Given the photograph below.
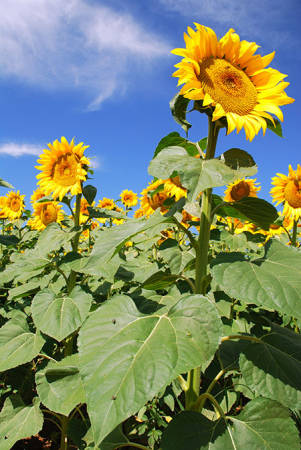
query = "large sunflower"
x=44 y=214
x=153 y=197
x=240 y=189
x=287 y=190
x=14 y=205
x=63 y=167
x=227 y=76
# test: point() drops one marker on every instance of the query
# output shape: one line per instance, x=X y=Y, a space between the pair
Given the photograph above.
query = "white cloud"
x=74 y=44
x=262 y=20
x=15 y=150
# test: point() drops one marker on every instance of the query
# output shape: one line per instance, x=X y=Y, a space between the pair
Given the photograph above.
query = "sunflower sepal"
x=178 y=106
x=275 y=126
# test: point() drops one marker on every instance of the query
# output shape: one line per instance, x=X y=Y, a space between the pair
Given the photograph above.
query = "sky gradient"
x=102 y=74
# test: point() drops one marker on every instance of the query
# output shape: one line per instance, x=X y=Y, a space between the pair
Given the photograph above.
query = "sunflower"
x=106 y=203
x=129 y=198
x=231 y=79
x=287 y=190
x=118 y=221
x=63 y=168
x=14 y=205
x=186 y=218
x=174 y=188
x=37 y=195
x=153 y=197
x=240 y=189
x=3 y=214
x=138 y=213
x=44 y=214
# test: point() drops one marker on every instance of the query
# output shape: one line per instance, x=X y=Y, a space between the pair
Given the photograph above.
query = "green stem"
x=74 y=242
x=210 y=387
x=193 y=378
x=64 y=438
x=294 y=235
x=215 y=403
x=241 y=336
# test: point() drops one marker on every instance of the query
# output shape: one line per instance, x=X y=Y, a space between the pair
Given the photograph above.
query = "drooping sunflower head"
x=63 y=168
x=240 y=189
x=287 y=190
x=14 y=205
x=227 y=76
x=3 y=214
x=44 y=214
x=129 y=198
x=174 y=188
x=153 y=197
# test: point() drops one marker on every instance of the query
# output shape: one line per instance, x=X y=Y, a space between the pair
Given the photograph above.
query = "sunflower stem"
x=193 y=378
x=294 y=235
x=74 y=242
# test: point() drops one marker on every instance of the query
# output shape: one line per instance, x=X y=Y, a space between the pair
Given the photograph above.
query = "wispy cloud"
x=15 y=150
x=264 y=20
x=74 y=44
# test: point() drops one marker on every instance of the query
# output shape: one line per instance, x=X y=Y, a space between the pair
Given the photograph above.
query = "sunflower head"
x=240 y=189
x=129 y=198
x=63 y=168
x=44 y=214
x=287 y=190
x=230 y=79
x=174 y=188
x=106 y=203
x=14 y=205
x=153 y=197
x=3 y=214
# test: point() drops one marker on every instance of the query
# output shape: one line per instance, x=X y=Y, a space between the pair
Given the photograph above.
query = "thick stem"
x=294 y=235
x=64 y=438
x=202 y=248
x=74 y=243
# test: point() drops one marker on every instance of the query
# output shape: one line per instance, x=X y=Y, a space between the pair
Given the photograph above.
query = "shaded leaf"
x=58 y=316
x=174 y=138
x=178 y=106
x=277 y=128
x=89 y=192
x=271 y=282
x=59 y=385
x=18 y=421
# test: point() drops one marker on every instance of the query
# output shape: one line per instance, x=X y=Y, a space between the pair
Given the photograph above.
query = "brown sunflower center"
x=157 y=200
x=292 y=193
x=15 y=204
x=240 y=190
x=64 y=171
x=228 y=85
x=48 y=214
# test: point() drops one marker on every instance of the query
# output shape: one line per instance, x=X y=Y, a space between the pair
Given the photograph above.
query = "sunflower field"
x=166 y=320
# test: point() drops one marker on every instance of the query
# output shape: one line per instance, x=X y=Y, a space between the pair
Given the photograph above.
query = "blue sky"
x=101 y=72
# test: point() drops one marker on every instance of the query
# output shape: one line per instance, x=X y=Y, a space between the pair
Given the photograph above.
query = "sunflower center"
x=64 y=171
x=15 y=204
x=240 y=190
x=48 y=214
x=228 y=85
x=157 y=200
x=292 y=193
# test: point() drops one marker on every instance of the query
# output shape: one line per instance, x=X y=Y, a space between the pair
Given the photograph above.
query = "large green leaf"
x=112 y=442
x=18 y=421
x=18 y=345
x=263 y=424
x=273 y=369
x=111 y=240
x=196 y=174
x=123 y=362
x=271 y=282
x=252 y=209
x=58 y=316
x=59 y=385
x=175 y=139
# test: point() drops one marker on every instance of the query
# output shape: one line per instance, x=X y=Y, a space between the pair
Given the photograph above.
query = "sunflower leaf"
x=5 y=184
x=174 y=138
x=89 y=192
x=178 y=106
x=237 y=158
